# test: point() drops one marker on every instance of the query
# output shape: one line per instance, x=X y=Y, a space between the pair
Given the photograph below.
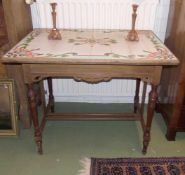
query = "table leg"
x=136 y=98
x=34 y=114
x=44 y=107
x=143 y=98
x=51 y=96
x=150 y=113
x=143 y=105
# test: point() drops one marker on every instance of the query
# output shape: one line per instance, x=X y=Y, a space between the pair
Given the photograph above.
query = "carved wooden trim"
x=37 y=78
x=147 y=79
x=92 y=80
x=91 y=73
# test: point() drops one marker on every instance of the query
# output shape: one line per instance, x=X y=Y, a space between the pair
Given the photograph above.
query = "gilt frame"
x=8 y=108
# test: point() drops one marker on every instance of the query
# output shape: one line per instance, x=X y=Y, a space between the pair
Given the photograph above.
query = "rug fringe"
x=85 y=163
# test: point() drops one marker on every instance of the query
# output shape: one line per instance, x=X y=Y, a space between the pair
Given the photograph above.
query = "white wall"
x=104 y=14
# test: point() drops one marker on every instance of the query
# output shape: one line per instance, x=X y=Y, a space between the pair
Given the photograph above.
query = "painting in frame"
x=8 y=112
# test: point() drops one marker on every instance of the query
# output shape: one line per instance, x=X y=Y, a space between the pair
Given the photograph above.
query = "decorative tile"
x=104 y=45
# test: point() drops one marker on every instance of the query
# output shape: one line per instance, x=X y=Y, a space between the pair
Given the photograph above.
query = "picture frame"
x=8 y=110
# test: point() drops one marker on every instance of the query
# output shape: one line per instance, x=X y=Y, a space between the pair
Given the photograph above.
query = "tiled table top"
x=91 y=46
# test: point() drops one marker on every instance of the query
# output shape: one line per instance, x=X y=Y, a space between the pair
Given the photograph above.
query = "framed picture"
x=8 y=112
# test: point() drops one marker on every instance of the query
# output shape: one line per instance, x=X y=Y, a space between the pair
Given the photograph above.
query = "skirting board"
x=96 y=99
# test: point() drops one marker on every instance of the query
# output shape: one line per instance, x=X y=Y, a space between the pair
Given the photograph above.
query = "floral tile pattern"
x=104 y=45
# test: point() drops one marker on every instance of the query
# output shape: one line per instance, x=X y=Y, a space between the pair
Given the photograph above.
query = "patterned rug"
x=138 y=166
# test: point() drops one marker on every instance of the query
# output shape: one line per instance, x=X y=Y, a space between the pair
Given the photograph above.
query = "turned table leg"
x=51 y=96
x=136 y=98
x=44 y=107
x=150 y=113
x=143 y=98
x=34 y=114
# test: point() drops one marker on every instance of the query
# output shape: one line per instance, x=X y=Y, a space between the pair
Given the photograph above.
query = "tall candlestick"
x=54 y=33
x=132 y=35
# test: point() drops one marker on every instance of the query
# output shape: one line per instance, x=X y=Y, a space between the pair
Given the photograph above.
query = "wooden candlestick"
x=54 y=33
x=132 y=35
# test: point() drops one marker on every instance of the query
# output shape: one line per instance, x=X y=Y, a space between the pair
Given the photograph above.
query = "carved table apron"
x=92 y=57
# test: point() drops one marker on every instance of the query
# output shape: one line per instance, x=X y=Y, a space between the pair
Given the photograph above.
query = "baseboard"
x=96 y=99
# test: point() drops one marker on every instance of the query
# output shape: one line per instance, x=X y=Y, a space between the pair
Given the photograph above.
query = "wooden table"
x=91 y=56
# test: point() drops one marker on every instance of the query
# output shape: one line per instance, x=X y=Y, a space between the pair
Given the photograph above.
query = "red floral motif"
x=160 y=53
x=23 y=51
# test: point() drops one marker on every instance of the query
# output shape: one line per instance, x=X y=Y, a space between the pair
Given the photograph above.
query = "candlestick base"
x=54 y=35
x=132 y=36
